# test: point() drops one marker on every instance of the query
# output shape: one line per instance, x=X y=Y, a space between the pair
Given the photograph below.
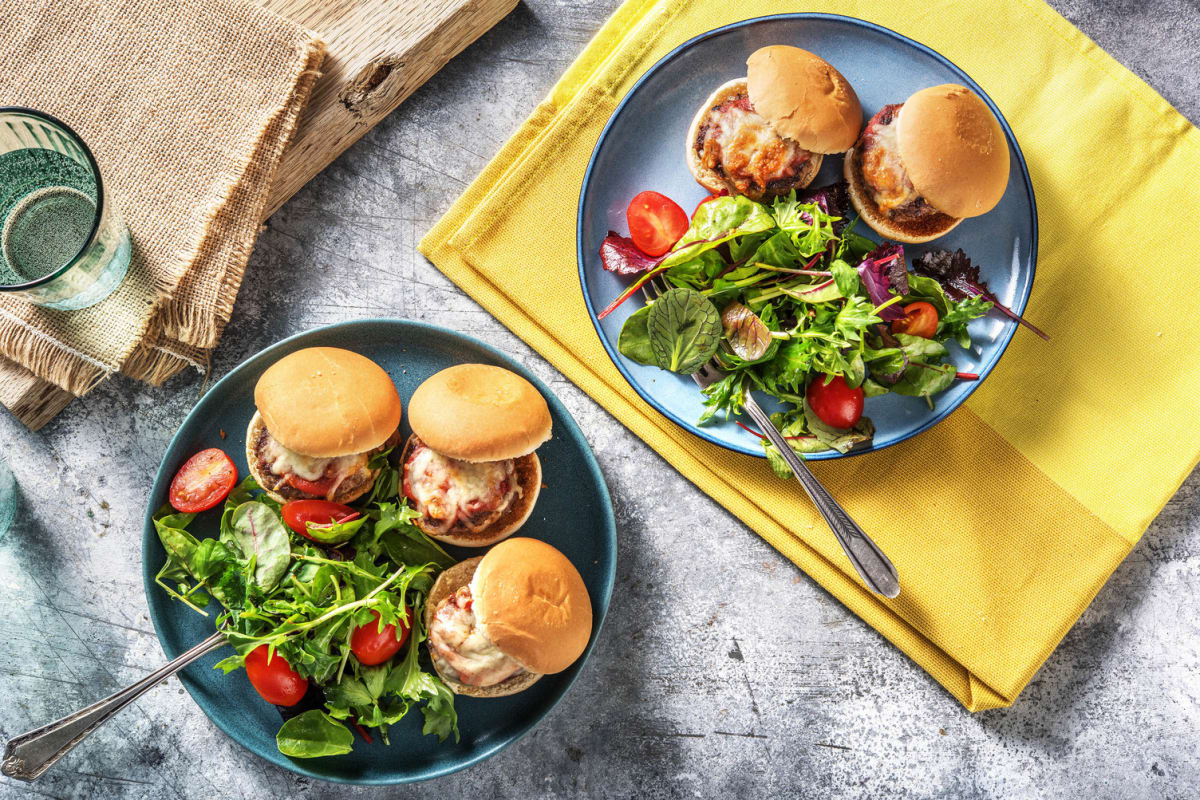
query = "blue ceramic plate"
x=643 y=148
x=574 y=514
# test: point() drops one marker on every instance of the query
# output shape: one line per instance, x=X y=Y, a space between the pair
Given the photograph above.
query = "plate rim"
x=1019 y=304
x=601 y=605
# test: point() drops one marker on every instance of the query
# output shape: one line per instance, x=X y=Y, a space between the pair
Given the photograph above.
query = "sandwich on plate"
x=922 y=166
x=499 y=622
x=764 y=135
x=469 y=466
x=323 y=413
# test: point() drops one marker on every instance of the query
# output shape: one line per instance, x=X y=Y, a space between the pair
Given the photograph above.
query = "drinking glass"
x=62 y=242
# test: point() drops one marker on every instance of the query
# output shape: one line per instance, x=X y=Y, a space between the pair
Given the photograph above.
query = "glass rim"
x=87 y=151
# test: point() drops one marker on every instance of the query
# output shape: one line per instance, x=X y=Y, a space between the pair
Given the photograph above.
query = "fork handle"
x=27 y=756
x=868 y=560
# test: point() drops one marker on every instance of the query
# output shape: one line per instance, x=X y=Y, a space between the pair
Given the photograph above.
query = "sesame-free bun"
x=325 y=402
x=910 y=231
x=477 y=412
x=804 y=98
x=712 y=179
x=528 y=469
x=449 y=582
x=954 y=150
x=531 y=603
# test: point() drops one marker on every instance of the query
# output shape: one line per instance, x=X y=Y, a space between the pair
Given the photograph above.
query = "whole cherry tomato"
x=920 y=319
x=275 y=680
x=835 y=403
x=319 y=512
x=655 y=222
x=372 y=646
x=204 y=480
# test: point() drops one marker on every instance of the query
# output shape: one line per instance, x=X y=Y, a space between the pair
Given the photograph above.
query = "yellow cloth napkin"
x=1007 y=518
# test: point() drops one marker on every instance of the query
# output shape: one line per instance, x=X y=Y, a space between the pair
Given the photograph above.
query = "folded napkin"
x=187 y=107
x=1007 y=518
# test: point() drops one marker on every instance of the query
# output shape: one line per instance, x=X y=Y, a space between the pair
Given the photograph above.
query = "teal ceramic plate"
x=573 y=513
x=643 y=148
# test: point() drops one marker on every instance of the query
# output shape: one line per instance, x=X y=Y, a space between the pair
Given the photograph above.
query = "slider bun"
x=533 y=604
x=528 y=470
x=447 y=584
x=713 y=179
x=325 y=402
x=912 y=231
x=477 y=412
x=804 y=98
x=954 y=150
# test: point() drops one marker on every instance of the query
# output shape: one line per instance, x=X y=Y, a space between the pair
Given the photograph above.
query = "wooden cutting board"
x=377 y=53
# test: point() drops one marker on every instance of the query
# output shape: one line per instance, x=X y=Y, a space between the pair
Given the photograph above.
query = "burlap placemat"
x=187 y=106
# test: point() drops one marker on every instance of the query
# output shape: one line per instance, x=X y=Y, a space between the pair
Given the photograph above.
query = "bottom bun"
x=528 y=471
x=449 y=582
x=908 y=231
x=256 y=430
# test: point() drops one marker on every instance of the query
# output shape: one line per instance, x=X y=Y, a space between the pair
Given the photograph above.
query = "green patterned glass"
x=62 y=243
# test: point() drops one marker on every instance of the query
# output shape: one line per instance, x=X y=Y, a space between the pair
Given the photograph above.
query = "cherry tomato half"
x=708 y=199
x=204 y=480
x=655 y=222
x=836 y=403
x=319 y=512
x=276 y=681
x=920 y=319
x=372 y=646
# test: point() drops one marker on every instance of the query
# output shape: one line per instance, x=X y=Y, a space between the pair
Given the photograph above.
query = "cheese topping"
x=461 y=647
x=740 y=143
x=883 y=169
x=288 y=462
x=446 y=490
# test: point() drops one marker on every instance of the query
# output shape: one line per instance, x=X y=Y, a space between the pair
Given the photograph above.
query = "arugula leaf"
x=954 y=322
x=855 y=317
x=314 y=734
x=727 y=394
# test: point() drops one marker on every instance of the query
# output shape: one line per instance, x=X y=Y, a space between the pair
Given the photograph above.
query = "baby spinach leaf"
x=841 y=440
x=717 y=222
x=260 y=535
x=634 y=340
x=408 y=545
x=334 y=533
x=314 y=734
x=685 y=329
x=923 y=379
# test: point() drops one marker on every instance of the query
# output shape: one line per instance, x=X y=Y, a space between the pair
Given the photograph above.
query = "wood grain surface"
x=378 y=53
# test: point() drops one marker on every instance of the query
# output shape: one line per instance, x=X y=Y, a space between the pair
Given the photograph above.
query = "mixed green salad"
x=317 y=601
x=793 y=303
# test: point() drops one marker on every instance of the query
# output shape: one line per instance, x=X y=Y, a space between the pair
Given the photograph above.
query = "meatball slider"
x=322 y=413
x=922 y=166
x=498 y=622
x=469 y=466
x=764 y=135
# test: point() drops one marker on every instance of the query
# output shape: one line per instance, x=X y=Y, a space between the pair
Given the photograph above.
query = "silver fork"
x=868 y=560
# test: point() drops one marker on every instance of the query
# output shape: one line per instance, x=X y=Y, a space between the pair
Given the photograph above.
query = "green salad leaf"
x=685 y=330
x=314 y=734
x=260 y=534
x=634 y=339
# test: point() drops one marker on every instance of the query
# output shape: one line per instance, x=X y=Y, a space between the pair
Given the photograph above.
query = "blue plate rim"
x=1018 y=306
x=162 y=481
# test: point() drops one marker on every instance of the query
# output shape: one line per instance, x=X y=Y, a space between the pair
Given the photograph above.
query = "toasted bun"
x=533 y=604
x=344 y=496
x=529 y=478
x=804 y=98
x=900 y=230
x=712 y=179
x=476 y=412
x=954 y=150
x=325 y=402
x=449 y=582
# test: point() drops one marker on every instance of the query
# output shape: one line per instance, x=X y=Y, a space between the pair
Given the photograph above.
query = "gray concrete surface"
x=730 y=675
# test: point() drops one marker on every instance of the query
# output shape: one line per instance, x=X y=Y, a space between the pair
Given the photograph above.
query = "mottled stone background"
x=730 y=675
